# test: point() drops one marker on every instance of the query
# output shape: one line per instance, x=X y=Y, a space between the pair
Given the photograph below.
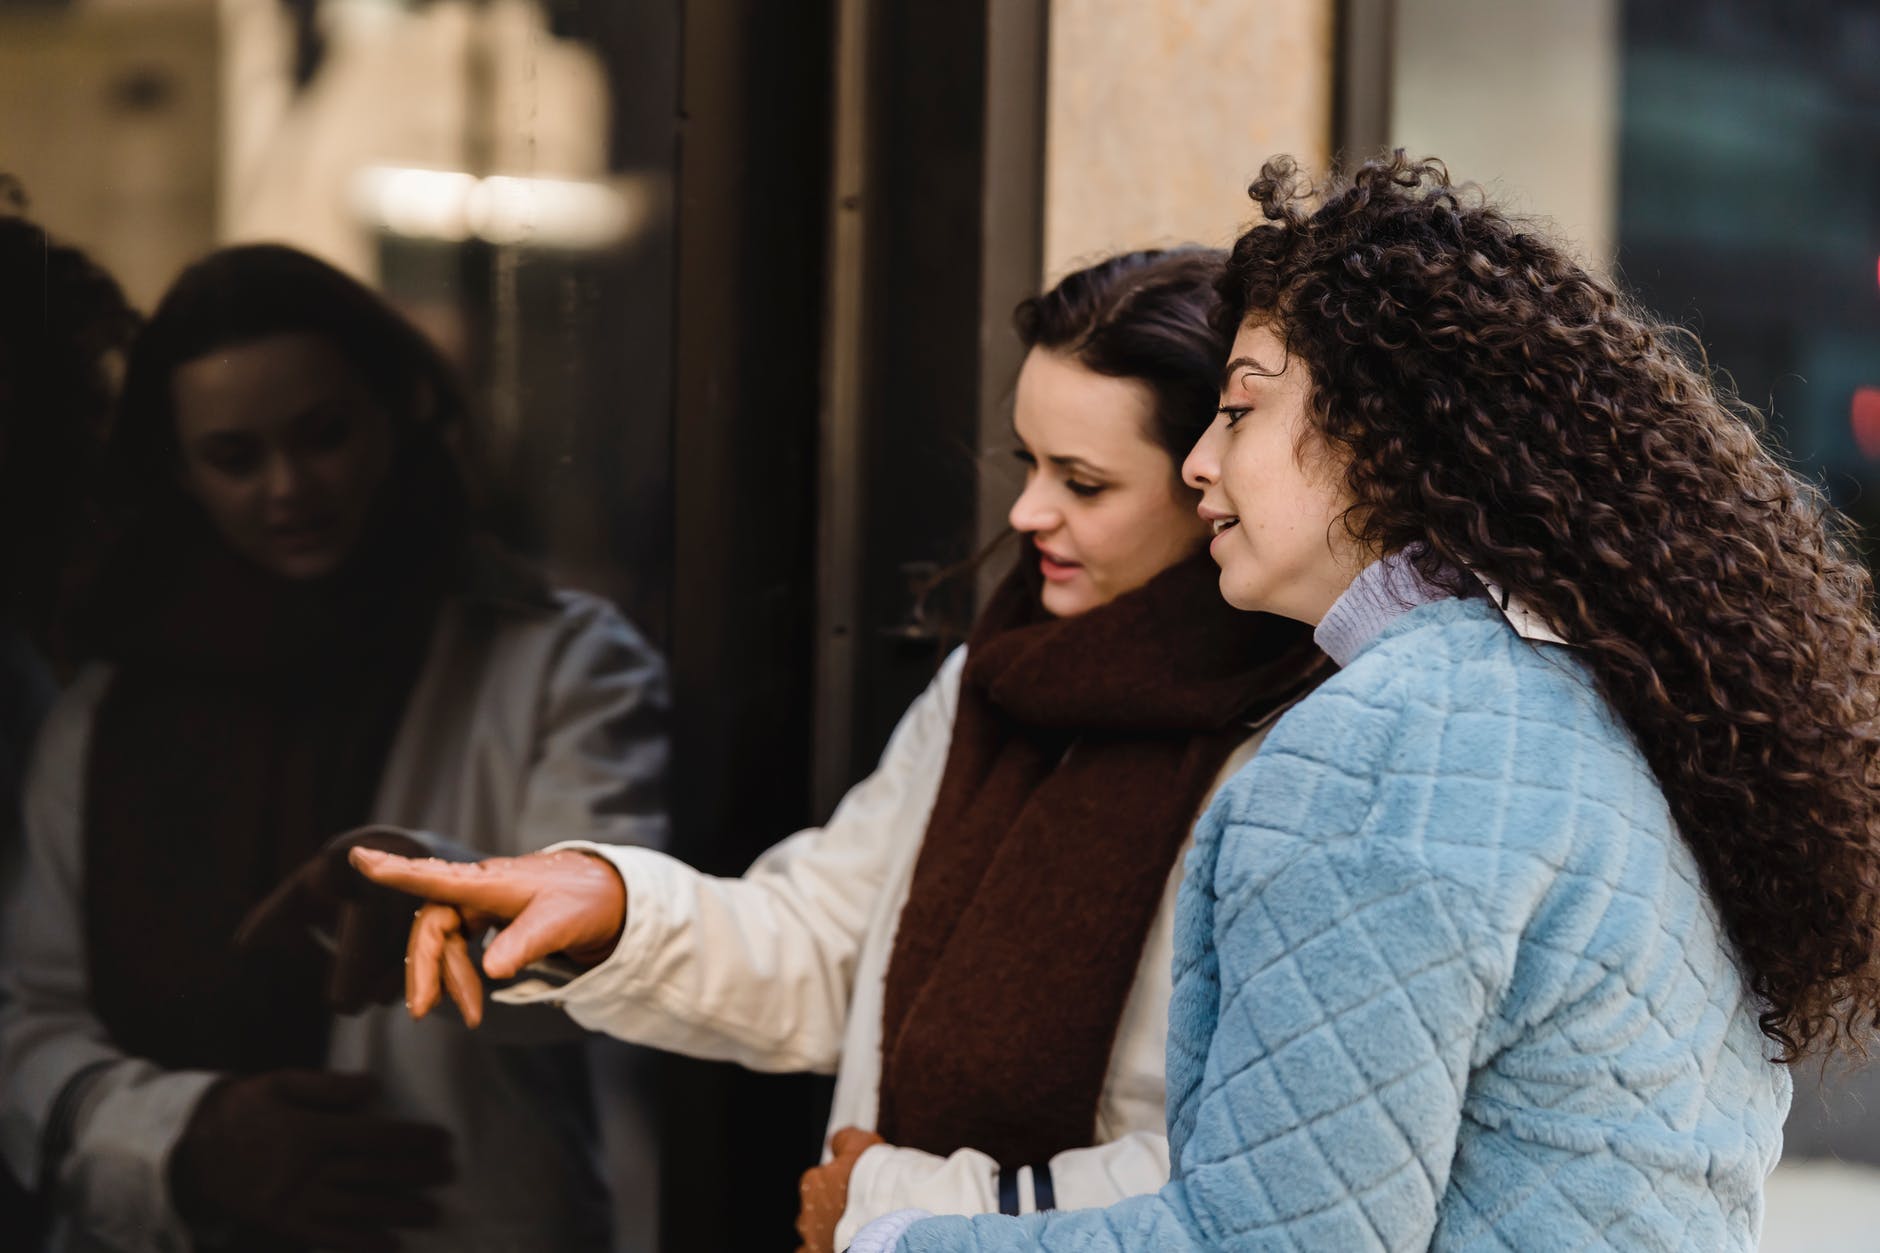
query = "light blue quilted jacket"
x=1445 y=977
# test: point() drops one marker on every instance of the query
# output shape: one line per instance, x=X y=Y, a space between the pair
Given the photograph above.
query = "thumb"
x=543 y=928
x=325 y=1089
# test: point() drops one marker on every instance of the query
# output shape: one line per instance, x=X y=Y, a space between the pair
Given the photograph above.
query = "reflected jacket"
x=531 y=721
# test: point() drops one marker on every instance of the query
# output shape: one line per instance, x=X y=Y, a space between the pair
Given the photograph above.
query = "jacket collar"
x=1390 y=587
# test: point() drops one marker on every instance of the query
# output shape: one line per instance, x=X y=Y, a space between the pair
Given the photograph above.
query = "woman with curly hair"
x=1503 y=939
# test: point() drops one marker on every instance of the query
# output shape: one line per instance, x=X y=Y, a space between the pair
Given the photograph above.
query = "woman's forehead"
x=1065 y=409
x=278 y=376
x=1258 y=352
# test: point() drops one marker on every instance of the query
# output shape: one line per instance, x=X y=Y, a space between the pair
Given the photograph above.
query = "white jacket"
x=528 y=724
x=783 y=970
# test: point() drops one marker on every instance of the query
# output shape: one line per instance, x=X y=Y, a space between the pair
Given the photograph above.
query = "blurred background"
x=732 y=280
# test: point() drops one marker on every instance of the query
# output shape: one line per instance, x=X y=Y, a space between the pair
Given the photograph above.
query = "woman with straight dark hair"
x=978 y=941
x=297 y=631
x=1505 y=938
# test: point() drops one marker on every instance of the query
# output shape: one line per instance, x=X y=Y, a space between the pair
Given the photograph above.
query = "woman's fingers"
x=491 y=886
x=424 y=956
x=559 y=901
x=460 y=977
x=282 y=917
x=476 y=922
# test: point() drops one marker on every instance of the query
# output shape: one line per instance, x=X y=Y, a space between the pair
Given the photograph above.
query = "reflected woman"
x=297 y=632
x=978 y=941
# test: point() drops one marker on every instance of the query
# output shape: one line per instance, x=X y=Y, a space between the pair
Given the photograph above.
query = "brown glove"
x=564 y=902
x=367 y=923
x=825 y=1189
x=293 y=1158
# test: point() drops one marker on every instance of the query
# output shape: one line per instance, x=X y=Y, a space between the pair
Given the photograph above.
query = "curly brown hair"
x=1504 y=411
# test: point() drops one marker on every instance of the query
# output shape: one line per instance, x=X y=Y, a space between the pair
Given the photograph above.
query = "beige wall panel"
x=1522 y=98
x=1159 y=113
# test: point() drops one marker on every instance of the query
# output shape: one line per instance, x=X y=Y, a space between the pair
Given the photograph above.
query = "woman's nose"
x=1202 y=467
x=1031 y=513
x=284 y=477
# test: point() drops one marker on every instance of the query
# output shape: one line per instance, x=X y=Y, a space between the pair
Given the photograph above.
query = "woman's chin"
x=300 y=566
x=1067 y=600
x=1240 y=596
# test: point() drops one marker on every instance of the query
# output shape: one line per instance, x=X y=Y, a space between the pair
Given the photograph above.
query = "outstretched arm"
x=758 y=969
x=595 y=767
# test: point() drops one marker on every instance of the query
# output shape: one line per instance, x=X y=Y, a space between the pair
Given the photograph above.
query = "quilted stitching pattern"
x=1446 y=977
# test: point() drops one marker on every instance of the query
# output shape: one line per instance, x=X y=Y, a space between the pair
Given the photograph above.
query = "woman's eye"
x=1086 y=490
x=1234 y=413
x=235 y=460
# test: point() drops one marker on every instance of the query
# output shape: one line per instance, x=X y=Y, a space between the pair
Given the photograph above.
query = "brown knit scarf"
x=247 y=721
x=1082 y=751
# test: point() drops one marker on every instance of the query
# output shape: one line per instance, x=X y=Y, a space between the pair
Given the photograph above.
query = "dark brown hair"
x=1146 y=315
x=1502 y=410
x=237 y=296
x=63 y=323
x=242 y=294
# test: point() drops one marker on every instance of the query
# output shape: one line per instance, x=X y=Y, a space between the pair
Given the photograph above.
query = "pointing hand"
x=566 y=902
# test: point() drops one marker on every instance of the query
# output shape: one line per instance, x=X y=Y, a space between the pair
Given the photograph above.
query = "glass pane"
x=503 y=173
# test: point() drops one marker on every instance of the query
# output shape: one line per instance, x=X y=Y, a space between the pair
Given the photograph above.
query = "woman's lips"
x=1056 y=569
x=302 y=537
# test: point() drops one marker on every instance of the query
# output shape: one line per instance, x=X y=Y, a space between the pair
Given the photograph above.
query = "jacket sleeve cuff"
x=602 y=985
x=115 y=1181
x=887 y=1178
x=882 y=1235
x=1099 y=1176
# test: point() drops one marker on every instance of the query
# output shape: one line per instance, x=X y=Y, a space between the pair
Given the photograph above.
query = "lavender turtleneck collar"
x=1383 y=592
x=1390 y=588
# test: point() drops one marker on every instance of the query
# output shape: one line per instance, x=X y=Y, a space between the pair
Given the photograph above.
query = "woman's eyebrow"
x=222 y=435
x=1245 y=363
x=1075 y=464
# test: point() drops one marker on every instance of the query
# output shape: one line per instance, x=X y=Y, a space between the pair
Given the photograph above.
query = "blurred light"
x=1865 y=419
x=429 y=204
x=551 y=211
x=502 y=209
